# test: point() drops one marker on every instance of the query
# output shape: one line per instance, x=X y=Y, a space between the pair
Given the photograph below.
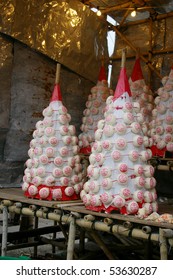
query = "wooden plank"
x=17 y=195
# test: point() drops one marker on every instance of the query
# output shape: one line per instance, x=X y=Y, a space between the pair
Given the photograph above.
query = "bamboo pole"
x=18 y=204
x=123 y=239
x=6 y=202
x=130 y=44
x=146 y=229
x=150 y=50
x=32 y=207
x=128 y=224
x=101 y=244
x=4 y=231
x=137 y=233
x=63 y=230
x=168 y=233
x=125 y=15
x=116 y=8
x=123 y=59
x=44 y=209
x=98 y=225
x=163 y=245
x=57 y=211
x=54 y=243
x=164 y=167
x=71 y=239
x=154 y=52
x=89 y=218
x=137 y=22
x=58 y=67
x=108 y=221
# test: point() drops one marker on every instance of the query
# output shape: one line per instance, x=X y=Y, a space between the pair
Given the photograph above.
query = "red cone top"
x=137 y=71
x=56 y=94
x=102 y=74
x=122 y=85
x=172 y=66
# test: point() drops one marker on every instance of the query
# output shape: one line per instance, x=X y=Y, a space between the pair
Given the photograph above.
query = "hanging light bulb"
x=133 y=13
x=99 y=13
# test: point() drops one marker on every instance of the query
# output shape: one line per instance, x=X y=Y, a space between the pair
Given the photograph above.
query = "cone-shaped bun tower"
x=120 y=179
x=94 y=111
x=161 y=126
x=53 y=170
x=142 y=94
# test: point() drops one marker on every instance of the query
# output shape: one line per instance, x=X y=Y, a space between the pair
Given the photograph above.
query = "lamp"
x=133 y=13
x=99 y=13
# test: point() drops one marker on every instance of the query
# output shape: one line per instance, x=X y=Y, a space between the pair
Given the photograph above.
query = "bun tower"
x=93 y=112
x=142 y=94
x=119 y=177
x=53 y=170
x=161 y=126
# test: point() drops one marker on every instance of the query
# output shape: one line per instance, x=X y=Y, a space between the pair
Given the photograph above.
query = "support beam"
x=71 y=239
x=163 y=245
x=4 y=231
x=102 y=245
x=137 y=22
x=130 y=44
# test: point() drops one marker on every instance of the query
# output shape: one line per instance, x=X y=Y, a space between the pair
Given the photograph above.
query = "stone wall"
x=26 y=84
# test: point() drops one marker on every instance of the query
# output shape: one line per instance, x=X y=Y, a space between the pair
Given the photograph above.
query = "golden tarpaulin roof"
x=66 y=31
x=71 y=34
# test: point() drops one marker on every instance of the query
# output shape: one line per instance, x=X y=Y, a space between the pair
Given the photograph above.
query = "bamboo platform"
x=16 y=195
x=130 y=231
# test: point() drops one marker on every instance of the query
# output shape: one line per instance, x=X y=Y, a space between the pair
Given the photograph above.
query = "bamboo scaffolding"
x=108 y=221
x=57 y=77
x=158 y=17
x=75 y=219
x=89 y=218
x=128 y=224
x=146 y=229
x=116 y=8
x=71 y=239
x=154 y=52
x=150 y=49
x=163 y=245
x=102 y=245
x=4 y=231
x=116 y=228
x=18 y=235
x=137 y=233
x=125 y=15
x=164 y=167
x=130 y=44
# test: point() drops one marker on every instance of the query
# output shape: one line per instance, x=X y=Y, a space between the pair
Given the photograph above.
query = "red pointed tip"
x=102 y=74
x=56 y=94
x=122 y=85
x=137 y=71
x=172 y=67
